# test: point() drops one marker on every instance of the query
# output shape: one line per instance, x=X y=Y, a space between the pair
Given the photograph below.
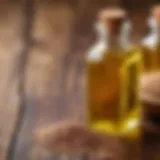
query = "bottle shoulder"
x=96 y=53
x=100 y=51
x=150 y=41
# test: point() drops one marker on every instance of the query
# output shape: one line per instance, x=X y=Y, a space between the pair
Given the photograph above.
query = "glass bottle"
x=151 y=44
x=112 y=74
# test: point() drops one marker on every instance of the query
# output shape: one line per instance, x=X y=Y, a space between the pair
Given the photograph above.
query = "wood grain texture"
x=10 y=48
x=55 y=74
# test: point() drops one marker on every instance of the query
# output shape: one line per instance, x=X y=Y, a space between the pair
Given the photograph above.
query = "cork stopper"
x=112 y=19
x=155 y=12
x=150 y=89
x=74 y=137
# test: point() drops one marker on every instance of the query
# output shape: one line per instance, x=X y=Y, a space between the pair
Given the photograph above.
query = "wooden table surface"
x=55 y=71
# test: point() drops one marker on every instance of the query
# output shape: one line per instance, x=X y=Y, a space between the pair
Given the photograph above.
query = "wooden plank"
x=10 y=48
x=55 y=87
x=51 y=33
x=27 y=13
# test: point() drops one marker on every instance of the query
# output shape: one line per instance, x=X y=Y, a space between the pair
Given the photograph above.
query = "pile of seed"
x=76 y=138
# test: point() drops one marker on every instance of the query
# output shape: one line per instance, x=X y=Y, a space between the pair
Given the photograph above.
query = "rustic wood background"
x=53 y=63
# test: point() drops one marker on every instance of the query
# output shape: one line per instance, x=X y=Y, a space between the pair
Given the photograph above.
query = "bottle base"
x=130 y=128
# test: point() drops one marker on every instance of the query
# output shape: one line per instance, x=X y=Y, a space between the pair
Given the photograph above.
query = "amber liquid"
x=112 y=96
x=151 y=59
x=131 y=108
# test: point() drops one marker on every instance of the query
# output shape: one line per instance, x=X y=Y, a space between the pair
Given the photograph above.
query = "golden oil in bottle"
x=130 y=105
x=151 y=44
x=110 y=69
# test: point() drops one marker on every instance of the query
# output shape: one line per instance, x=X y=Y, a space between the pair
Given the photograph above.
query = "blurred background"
x=43 y=44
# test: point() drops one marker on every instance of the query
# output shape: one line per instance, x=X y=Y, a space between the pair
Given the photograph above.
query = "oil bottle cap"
x=112 y=14
x=112 y=18
x=155 y=12
x=150 y=89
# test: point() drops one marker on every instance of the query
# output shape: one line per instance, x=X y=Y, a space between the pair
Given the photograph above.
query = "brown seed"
x=78 y=138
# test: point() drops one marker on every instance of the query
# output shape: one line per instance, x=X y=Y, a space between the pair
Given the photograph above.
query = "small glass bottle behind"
x=151 y=44
x=112 y=71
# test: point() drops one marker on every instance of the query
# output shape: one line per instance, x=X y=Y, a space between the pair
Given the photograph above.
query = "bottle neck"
x=155 y=29
x=157 y=33
x=125 y=37
x=114 y=40
x=107 y=38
